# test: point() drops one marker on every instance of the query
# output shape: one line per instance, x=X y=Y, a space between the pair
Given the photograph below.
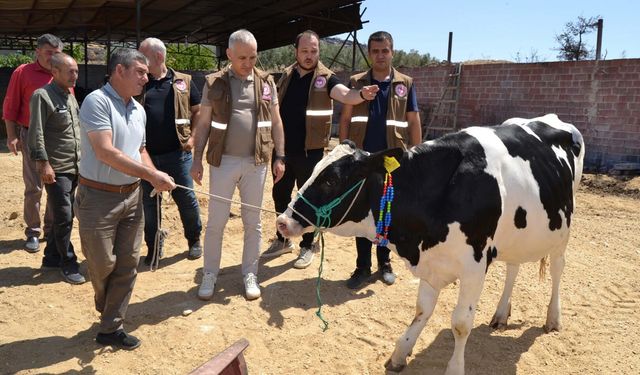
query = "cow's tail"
x=544 y=263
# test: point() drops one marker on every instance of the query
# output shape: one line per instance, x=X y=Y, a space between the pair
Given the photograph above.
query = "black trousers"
x=60 y=194
x=297 y=171
x=363 y=246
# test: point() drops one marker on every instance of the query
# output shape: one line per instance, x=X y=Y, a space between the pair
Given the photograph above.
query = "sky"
x=500 y=30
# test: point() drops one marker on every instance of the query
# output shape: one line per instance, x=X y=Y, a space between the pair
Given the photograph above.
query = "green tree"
x=77 y=53
x=14 y=60
x=572 y=46
x=192 y=57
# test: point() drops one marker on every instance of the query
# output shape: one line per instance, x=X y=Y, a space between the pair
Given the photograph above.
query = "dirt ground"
x=48 y=326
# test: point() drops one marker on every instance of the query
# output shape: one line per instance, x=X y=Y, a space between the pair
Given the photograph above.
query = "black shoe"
x=72 y=276
x=358 y=278
x=32 y=244
x=119 y=339
x=386 y=272
x=195 y=250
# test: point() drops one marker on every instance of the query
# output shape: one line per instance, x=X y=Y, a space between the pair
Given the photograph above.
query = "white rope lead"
x=217 y=197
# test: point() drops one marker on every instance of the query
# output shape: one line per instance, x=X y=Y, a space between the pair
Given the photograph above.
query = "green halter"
x=323 y=214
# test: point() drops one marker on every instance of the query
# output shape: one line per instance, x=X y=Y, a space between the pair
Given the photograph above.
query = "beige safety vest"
x=220 y=98
x=397 y=124
x=319 y=106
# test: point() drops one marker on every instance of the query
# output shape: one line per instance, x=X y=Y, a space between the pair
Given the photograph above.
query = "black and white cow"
x=500 y=193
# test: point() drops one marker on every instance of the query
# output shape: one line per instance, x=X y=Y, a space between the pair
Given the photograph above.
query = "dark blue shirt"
x=375 y=138
x=158 y=104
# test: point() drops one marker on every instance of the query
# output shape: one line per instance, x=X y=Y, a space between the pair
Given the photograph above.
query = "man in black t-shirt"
x=169 y=144
x=305 y=91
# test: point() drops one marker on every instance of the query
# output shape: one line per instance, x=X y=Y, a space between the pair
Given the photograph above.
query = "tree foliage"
x=192 y=57
x=14 y=60
x=77 y=53
x=572 y=46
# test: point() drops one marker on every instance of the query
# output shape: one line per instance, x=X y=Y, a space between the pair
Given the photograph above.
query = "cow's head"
x=336 y=193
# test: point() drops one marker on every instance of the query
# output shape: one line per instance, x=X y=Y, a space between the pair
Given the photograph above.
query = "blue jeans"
x=177 y=165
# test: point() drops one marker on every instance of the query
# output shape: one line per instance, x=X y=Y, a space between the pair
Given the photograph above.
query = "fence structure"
x=600 y=97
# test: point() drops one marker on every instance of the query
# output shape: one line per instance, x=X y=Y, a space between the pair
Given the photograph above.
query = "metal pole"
x=86 y=62
x=449 y=48
x=353 y=52
x=599 y=42
x=138 y=2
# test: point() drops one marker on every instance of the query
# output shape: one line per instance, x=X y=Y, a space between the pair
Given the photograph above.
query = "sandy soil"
x=48 y=326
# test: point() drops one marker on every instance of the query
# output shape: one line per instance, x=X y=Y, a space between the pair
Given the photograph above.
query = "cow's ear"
x=375 y=161
x=349 y=143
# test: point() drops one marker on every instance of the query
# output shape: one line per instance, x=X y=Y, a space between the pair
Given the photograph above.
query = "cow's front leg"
x=503 y=311
x=427 y=298
x=462 y=317
x=554 y=318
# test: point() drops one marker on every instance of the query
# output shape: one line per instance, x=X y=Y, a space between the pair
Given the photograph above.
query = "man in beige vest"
x=171 y=102
x=305 y=93
x=240 y=122
x=390 y=120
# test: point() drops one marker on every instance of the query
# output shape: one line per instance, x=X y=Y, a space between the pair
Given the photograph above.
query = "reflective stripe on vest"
x=263 y=124
x=400 y=124
x=359 y=119
x=182 y=121
x=319 y=112
x=218 y=125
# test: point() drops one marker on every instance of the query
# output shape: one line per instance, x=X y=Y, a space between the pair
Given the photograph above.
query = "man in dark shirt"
x=171 y=102
x=306 y=90
x=397 y=90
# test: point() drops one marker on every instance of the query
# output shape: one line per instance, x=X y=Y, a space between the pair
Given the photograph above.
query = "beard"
x=305 y=64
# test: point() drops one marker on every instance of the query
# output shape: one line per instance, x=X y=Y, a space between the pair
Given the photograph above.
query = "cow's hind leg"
x=503 y=311
x=427 y=298
x=554 y=318
x=462 y=318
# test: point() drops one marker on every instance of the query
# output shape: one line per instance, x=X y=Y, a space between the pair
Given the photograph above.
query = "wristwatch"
x=279 y=157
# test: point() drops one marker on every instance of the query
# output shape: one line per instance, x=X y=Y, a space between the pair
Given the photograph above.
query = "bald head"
x=156 y=53
x=64 y=70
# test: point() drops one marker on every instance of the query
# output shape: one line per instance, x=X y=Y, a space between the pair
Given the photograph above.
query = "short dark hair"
x=306 y=33
x=125 y=57
x=380 y=36
x=49 y=39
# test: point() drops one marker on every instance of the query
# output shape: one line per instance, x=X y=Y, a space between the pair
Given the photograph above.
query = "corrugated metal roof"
x=274 y=23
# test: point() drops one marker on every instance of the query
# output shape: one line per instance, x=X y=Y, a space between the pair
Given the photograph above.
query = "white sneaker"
x=306 y=257
x=278 y=247
x=205 y=292
x=251 y=287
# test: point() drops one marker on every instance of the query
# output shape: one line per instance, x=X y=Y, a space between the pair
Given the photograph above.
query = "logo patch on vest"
x=401 y=90
x=266 y=92
x=180 y=84
x=320 y=82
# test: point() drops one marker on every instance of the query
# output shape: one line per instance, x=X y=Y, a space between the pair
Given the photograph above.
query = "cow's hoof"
x=391 y=368
x=498 y=326
x=496 y=323
x=557 y=327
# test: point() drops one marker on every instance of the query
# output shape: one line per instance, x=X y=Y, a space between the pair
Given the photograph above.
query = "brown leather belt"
x=122 y=189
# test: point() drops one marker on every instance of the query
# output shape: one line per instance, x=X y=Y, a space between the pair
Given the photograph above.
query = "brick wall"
x=601 y=98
